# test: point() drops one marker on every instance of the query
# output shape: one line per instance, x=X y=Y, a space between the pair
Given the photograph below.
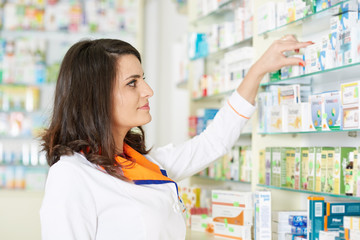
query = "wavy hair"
x=82 y=111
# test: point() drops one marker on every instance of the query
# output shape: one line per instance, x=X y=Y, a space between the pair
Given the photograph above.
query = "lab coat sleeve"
x=216 y=140
x=68 y=210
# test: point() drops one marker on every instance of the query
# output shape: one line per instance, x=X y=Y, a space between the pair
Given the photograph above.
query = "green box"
x=305 y=168
x=262 y=166
x=336 y=179
x=289 y=167
x=298 y=167
x=268 y=165
x=275 y=166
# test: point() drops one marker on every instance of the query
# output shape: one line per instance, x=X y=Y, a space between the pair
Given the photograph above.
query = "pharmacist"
x=103 y=183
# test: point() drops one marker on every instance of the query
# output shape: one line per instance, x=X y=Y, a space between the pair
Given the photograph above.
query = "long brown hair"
x=82 y=112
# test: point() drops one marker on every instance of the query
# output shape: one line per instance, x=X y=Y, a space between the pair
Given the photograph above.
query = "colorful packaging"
x=335 y=212
x=276 y=166
x=298 y=117
x=315 y=217
x=298 y=168
x=232 y=213
x=340 y=160
x=331 y=111
x=268 y=166
x=329 y=169
x=305 y=168
x=316 y=114
x=262 y=167
x=289 y=162
x=262 y=215
x=298 y=220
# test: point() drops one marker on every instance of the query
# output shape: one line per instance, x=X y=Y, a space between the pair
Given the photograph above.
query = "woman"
x=103 y=183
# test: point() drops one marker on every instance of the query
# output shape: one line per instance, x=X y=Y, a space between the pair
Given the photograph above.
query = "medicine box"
x=321 y=168
x=290 y=167
x=263 y=215
x=350 y=102
x=298 y=117
x=352 y=222
x=232 y=213
x=262 y=167
x=287 y=167
x=315 y=217
x=283 y=216
x=316 y=112
x=331 y=111
x=335 y=212
x=202 y=223
x=268 y=165
x=276 y=167
x=329 y=168
x=298 y=168
x=336 y=178
x=305 y=168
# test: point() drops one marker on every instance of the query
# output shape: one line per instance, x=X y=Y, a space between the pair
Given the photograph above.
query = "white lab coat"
x=82 y=202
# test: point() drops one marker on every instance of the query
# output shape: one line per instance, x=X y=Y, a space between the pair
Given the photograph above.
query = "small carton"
x=263 y=215
x=305 y=168
x=298 y=117
x=287 y=167
x=232 y=213
x=340 y=160
x=276 y=166
x=320 y=158
x=201 y=223
x=315 y=216
x=262 y=166
x=290 y=167
x=268 y=166
x=316 y=113
x=335 y=212
x=298 y=168
x=331 y=111
x=312 y=169
x=329 y=172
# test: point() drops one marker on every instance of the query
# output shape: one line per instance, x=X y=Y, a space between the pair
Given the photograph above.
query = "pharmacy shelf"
x=220 y=179
x=220 y=53
x=195 y=235
x=24 y=84
x=309 y=192
x=222 y=8
x=350 y=131
x=216 y=97
x=311 y=17
x=66 y=36
x=337 y=74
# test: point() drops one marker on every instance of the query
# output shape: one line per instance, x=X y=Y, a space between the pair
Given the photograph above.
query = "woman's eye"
x=132 y=83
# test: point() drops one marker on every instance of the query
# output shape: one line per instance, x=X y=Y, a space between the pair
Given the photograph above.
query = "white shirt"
x=82 y=202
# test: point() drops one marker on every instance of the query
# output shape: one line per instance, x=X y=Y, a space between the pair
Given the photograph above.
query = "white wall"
x=169 y=105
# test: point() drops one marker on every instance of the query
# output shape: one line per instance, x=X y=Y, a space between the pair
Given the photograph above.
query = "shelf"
x=219 y=53
x=221 y=179
x=19 y=84
x=220 y=10
x=307 y=132
x=217 y=97
x=66 y=36
x=310 y=192
x=337 y=74
x=321 y=14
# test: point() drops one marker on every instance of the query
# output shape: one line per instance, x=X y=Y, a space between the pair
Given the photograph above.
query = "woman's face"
x=131 y=95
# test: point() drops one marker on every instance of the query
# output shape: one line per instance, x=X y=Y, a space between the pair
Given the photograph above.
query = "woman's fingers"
x=288 y=37
x=285 y=46
x=293 y=61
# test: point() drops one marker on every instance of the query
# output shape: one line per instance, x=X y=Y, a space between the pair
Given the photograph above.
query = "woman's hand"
x=272 y=60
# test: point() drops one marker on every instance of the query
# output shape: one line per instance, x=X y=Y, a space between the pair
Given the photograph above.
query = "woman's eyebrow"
x=134 y=76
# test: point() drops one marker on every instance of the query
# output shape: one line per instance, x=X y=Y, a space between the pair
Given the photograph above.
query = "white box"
x=263 y=215
x=201 y=223
x=298 y=117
